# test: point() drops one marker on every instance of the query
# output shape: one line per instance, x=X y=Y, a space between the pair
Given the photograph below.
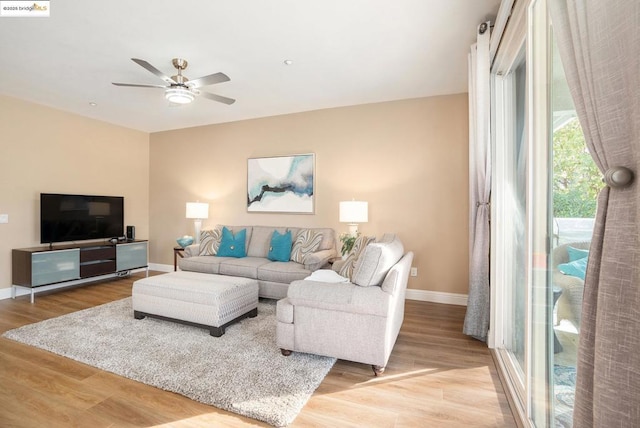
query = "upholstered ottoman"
x=199 y=299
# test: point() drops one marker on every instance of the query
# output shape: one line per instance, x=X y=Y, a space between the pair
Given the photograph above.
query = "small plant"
x=347 y=242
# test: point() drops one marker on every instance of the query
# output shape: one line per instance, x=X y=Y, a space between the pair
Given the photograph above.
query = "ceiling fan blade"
x=218 y=98
x=154 y=70
x=138 y=86
x=208 y=80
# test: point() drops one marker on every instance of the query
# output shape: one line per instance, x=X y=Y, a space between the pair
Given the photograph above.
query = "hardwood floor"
x=436 y=377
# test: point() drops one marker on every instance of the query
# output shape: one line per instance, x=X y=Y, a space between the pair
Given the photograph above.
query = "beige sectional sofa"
x=273 y=277
x=356 y=318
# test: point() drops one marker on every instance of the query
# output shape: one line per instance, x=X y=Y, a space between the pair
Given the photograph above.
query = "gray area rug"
x=242 y=371
x=564 y=390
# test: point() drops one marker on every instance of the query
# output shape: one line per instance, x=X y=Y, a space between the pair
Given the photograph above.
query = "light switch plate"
x=4 y=218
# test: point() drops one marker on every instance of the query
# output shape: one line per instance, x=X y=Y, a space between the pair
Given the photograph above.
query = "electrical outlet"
x=4 y=218
x=414 y=271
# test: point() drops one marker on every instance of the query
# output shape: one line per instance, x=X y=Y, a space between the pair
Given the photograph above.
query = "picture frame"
x=281 y=184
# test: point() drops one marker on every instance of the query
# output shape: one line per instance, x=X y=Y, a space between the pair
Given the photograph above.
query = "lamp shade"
x=197 y=210
x=354 y=212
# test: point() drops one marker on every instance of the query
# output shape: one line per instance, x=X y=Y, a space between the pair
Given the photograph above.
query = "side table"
x=177 y=252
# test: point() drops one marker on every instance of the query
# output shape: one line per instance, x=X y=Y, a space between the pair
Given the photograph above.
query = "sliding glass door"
x=521 y=213
x=543 y=201
x=509 y=211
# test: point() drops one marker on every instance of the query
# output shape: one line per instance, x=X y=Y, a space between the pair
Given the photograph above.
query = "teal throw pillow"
x=280 y=247
x=232 y=246
x=576 y=253
x=576 y=268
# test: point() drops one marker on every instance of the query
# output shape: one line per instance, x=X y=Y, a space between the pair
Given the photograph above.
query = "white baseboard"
x=160 y=267
x=437 y=297
x=422 y=295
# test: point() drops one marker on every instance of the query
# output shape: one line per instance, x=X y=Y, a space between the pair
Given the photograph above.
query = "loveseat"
x=358 y=319
x=317 y=245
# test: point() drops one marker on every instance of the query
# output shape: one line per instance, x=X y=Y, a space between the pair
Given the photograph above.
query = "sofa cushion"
x=210 y=241
x=280 y=248
x=376 y=260
x=284 y=272
x=232 y=245
x=328 y=238
x=261 y=240
x=203 y=264
x=246 y=267
x=306 y=242
x=352 y=257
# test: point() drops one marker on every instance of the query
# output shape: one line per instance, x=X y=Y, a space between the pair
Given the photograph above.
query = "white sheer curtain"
x=476 y=322
x=599 y=44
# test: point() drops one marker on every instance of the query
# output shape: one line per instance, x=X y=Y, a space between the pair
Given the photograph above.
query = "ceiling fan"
x=179 y=89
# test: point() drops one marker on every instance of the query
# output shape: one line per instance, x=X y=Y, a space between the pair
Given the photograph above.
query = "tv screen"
x=66 y=218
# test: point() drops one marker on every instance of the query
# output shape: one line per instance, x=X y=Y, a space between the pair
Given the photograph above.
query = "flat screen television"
x=65 y=218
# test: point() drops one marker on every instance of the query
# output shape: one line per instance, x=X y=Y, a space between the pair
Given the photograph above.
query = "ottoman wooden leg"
x=138 y=315
x=219 y=331
x=216 y=331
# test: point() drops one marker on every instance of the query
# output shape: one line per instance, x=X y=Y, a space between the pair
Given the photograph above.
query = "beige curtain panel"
x=476 y=321
x=599 y=43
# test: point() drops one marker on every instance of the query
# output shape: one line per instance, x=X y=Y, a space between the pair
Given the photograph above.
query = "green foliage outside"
x=577 y=179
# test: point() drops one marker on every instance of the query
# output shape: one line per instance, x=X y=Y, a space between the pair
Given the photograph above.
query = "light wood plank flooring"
x=436 y=377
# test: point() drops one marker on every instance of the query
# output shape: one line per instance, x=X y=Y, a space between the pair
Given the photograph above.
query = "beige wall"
x=47 y=150
x=408 y=159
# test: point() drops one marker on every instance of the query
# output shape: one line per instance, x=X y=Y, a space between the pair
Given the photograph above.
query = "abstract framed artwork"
x=281 y=184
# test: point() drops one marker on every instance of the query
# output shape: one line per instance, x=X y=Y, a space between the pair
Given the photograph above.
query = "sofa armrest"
x=339 y=296
x=319 y=259
x=192 y=250
x=337 y=265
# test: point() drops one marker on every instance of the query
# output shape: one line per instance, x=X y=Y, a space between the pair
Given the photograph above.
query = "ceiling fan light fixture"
x=179 y=95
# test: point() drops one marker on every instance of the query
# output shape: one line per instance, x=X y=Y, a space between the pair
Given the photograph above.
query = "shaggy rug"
x=242 y=371
x=564 y=388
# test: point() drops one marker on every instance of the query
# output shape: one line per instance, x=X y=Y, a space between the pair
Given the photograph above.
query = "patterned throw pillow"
x=307 y=242
x=358 y=247
x=210 y=241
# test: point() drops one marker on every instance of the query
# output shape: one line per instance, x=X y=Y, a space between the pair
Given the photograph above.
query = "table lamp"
x=354 y=212
x=197 y=211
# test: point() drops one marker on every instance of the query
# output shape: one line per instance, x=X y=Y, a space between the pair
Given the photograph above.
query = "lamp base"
x=197 y=224
x=353 y=229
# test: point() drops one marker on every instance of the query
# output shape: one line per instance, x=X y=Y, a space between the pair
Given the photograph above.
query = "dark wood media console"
x=42 y=266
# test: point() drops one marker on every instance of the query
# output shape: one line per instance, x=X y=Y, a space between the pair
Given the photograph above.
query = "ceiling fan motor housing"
x=179 y=63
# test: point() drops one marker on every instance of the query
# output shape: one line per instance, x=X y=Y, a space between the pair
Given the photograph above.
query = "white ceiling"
x=344 y=52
